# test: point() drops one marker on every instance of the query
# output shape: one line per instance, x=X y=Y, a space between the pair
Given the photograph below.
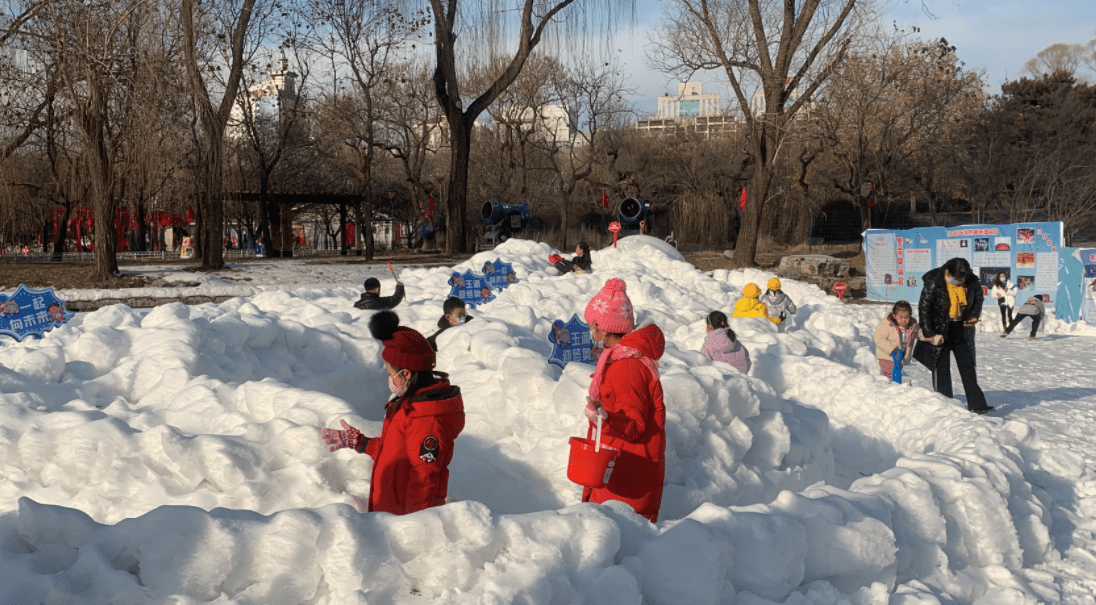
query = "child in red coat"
x=626 y=392
x=411 y=457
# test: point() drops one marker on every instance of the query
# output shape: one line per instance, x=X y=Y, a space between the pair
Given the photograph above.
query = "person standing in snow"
x=750 y=306
x=626 y=392
x=454 y=314
x=949 y=308
x=1005 y=293
x=777 y=304
x=897 y=332
x=412 y=455
x=579 y=264
x=721 y=345
x=371 y=299
x=1034 y=309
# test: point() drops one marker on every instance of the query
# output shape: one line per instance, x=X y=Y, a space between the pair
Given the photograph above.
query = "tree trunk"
x=757 y=190
x=370 y=243
x=564 y=213
x=457 y=195
x=60 y=235
x=285 y=229
x=100 y=171
x=342 y=229
x=213 y=208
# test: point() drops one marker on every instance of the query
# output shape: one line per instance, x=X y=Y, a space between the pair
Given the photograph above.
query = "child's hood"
x=648 y=340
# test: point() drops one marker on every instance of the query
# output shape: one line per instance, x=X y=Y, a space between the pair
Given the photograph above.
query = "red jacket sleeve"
x=426 y=475
x=630 y=404
x=373 y=446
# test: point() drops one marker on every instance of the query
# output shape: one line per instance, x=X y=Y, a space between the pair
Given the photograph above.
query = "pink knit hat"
x=610 y=310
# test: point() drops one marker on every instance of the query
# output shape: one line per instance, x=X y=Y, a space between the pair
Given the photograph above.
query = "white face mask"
x=398 y=391
x=457 y=320
x=953 y=281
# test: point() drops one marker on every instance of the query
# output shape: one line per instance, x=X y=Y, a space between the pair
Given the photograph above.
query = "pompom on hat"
x=610 y=310
x=404 y=348
x=774 y=283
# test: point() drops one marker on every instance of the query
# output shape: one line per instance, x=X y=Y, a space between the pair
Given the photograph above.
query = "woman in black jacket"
x=950 y=305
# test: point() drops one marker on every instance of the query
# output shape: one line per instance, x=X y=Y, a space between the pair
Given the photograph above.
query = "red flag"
x=189 y=214
x=605 y=199
x=742 y=200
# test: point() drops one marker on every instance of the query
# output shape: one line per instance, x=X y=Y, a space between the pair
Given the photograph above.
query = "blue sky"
x=995 y=37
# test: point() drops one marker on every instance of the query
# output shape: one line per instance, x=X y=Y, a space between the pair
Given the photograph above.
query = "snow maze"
x=173 y=456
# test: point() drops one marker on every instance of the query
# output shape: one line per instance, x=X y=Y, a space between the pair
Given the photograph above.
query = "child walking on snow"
x=895 y=333
x=778 y=304
x=626 y=393
x=1034 y=309
x=721 y=345
x=411 y=457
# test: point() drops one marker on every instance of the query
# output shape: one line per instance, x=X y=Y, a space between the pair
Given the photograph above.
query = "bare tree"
x=410 y=128
x=484 y=26
x=102 y=54
x=1060 y=58
x=884 y=108
x=787 y=49
x=204 y=29
x=362 y=40
x=591 y=99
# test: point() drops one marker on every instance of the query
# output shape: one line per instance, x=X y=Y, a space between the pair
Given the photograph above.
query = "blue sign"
x=471 y=288
x=499 y=275
x=1027 y=253
x=571 y=342
x=31 y=312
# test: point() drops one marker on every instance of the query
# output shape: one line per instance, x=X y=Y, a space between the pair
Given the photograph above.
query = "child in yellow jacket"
x=750 y=306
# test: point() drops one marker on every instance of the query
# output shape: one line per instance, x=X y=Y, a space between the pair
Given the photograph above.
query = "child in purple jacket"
x=720 y=343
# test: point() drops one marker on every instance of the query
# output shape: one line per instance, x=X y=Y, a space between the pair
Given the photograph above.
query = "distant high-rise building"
x=690 y=102
x=276 y=94
x=690 y=111
x=547 y=122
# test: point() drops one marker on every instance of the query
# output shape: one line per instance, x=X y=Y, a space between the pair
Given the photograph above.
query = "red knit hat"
x=611 y=310
x=404 y=348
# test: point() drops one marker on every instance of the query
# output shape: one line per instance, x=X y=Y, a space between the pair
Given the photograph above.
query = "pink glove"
x=351 y=437
x=594 y=409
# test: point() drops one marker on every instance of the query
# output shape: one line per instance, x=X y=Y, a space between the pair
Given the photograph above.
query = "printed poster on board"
x=31 y=312
x=571 y=342
x=1027 y=253
x=499 y=275
x=471 y=288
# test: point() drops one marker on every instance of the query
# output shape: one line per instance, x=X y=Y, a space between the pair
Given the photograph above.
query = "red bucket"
x=587 y=467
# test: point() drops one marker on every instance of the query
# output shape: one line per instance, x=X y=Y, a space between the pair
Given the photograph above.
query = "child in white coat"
x=1005 y=293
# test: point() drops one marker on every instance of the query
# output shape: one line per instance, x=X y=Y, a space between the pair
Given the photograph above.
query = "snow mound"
x=175 y=454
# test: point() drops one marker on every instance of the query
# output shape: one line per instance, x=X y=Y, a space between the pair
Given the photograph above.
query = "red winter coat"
x=632 y=396
x=411 y=457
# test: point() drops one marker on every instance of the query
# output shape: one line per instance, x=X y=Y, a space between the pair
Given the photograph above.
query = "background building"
x=690 y=111
x=270 y=97
x=689 y=102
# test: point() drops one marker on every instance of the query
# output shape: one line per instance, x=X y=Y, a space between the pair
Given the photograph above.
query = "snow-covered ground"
x=246 y=278
x=173 y=455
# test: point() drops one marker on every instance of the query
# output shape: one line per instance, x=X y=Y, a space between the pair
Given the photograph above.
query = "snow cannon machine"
x=500 y=222
x=633 y=217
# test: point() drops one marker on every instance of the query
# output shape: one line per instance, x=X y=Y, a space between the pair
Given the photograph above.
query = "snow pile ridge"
x=174 y=455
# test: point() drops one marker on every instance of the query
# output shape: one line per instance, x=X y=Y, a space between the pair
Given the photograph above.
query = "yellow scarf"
x=958 y=297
